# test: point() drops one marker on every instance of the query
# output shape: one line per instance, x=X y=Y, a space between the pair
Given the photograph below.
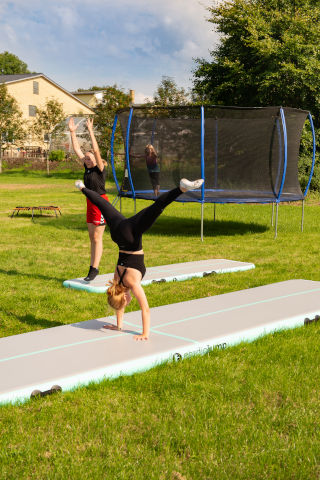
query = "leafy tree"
x=168 y=93
x=268 y=55
x=48 y=119
x=113 y=99
x=11 y=125
x=95 y=88
x=10 y=64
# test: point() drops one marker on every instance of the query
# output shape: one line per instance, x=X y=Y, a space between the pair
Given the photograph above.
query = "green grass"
x=248 y=412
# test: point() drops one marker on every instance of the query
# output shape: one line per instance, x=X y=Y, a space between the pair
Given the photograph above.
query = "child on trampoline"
x=127 y=234
x=153 y=168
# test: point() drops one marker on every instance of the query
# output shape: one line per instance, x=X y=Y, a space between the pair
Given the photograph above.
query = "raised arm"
x=138 y=292
x=95 y=146
x=75 y=143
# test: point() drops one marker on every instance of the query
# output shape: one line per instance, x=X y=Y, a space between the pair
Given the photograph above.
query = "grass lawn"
x=248 y=412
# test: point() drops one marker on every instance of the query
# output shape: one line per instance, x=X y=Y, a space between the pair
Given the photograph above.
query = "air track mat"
x=79 y=353
x=166 y=273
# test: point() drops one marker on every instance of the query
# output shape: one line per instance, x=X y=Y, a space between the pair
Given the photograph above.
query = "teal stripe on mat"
x=230 y=309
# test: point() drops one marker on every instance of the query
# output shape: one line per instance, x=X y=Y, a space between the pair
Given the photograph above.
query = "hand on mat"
x=109 y=326
x=140 y=337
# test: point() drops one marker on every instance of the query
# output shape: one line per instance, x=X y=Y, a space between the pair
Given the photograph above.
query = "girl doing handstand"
x=127 y=234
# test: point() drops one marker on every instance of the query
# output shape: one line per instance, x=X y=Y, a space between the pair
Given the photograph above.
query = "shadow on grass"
x=167 y=225
x=75 y=221
x=30 y=319
x=173 y=226
x=30 y=275
x=35 y=215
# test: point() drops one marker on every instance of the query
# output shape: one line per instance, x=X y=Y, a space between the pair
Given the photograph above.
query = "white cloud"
x=10 y=34
x=68 y=17
x=99 y=42
x=140 y=97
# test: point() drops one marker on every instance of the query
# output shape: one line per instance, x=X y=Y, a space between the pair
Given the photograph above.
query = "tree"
x=268 y=55
x=113 y=99
x=11 y=125
x=168 y=93
x=10 y=64
x=93 y=89
x=48 y=120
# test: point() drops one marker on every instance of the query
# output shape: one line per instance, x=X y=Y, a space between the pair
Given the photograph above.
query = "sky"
x=131 y=43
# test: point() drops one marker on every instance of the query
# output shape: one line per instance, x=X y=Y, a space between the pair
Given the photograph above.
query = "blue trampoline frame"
x=202 y=200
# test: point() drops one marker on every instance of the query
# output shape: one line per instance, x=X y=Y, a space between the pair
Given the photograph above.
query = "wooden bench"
x=17 y=210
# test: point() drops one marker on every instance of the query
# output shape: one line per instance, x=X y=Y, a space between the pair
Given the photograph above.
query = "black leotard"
x=121 y=275
x=132 y=260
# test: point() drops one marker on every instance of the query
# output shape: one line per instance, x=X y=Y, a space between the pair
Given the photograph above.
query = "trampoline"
x=244 y=154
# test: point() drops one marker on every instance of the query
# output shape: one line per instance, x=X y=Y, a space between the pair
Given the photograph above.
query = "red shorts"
x=93 y=213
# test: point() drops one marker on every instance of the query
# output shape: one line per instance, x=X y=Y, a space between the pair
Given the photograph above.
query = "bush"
x=57 y=155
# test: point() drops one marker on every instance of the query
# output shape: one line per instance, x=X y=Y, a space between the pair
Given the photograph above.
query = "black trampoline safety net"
x=243 y=154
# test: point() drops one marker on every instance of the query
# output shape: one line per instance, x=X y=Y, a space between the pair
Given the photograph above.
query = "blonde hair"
x=116 y=295
x=150 y=149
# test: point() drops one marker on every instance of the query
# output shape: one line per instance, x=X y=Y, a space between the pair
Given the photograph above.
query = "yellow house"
x=32 y=90
x=94 y=97
x=90 y=97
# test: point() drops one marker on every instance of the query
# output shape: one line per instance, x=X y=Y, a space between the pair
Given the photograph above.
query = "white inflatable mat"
x=76 y=354
x=166 y=273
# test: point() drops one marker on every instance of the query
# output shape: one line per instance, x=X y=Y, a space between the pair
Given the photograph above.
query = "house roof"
x=87 y=92
x=26 y=76
x=15 y=78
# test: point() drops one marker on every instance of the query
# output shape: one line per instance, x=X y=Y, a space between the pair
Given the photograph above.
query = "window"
x=32 y=111
x=36 y=88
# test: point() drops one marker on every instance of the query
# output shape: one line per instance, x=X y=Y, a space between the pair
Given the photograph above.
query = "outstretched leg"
x=143 y=220
x=111 y=214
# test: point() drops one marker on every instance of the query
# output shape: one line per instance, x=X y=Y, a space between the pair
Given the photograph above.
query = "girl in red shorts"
x=94 y=179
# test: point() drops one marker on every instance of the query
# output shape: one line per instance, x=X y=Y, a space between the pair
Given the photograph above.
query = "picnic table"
x=40 y=208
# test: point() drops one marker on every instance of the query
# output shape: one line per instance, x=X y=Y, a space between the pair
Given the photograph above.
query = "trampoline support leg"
x=214 y=213
x=302 y=216
x=135 y=208
x=115 y=201
x=272 y=216
x=120 y=206
x=201 y=222
x=276 y=225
